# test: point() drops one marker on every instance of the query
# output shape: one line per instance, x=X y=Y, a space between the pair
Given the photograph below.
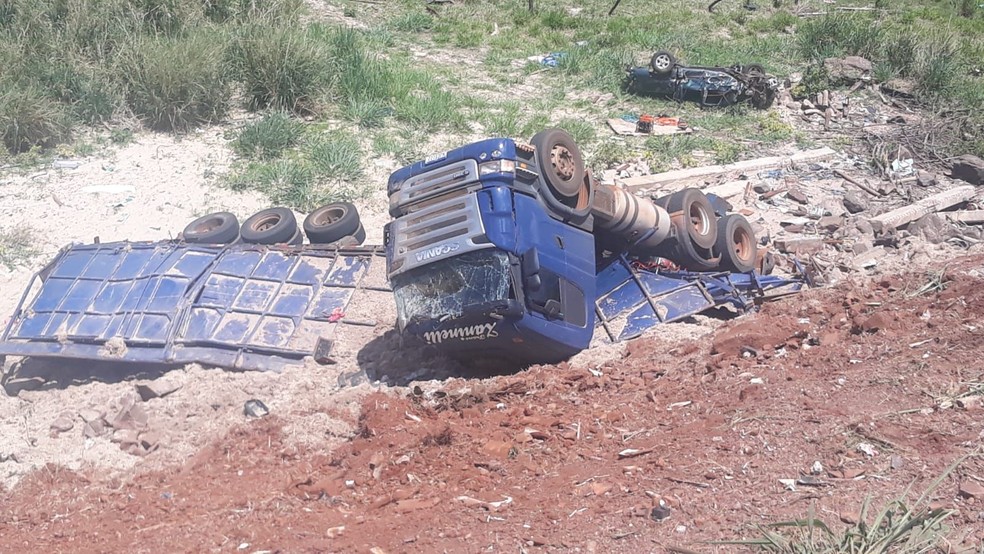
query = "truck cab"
x=492 y=242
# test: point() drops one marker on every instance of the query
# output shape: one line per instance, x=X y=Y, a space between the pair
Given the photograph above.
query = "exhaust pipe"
x=633 y=219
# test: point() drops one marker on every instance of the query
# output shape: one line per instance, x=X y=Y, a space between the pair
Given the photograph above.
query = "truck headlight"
x=497 y=166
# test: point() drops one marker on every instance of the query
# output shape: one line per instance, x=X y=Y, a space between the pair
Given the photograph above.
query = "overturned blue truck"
x=498 y=251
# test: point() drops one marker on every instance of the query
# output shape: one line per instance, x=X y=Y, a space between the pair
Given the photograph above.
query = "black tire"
x=214 y=228
x=736 y=244
x=333 y=222
x=686 y=255
x=693 y=215
x=297 y=239
x=360 y=235
x=563 y=183
x=270 y=226
x=662 y=62
x=754 y=68
x=561 y=161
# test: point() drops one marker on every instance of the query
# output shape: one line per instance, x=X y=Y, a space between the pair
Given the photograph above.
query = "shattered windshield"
x=446 y=288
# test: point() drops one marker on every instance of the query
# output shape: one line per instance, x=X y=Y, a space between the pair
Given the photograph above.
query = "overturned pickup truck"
x=708 y=86
x=498 y=251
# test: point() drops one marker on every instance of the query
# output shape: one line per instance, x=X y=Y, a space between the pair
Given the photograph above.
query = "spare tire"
x=214 y=228
x=270 y=226
x=332 y=222
x=693 y=215
x=736 y=244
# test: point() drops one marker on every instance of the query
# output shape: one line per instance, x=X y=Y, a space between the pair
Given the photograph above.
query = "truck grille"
x=434 y=183
x=448 y=226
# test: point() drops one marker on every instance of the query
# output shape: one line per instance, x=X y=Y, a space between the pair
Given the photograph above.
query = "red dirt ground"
x=530 y=462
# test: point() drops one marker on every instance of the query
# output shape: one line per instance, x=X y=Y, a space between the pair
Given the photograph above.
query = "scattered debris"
x=255 y=408
x=661 y=126
x=660 y=512
x=968 y=168
x=155 y=389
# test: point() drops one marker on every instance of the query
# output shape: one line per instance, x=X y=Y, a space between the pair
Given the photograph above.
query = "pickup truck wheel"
x=333 y=222
x=215 y=228
x=270 y=226
x=754 y=69
x=662 y=62
x=693 y=215
x=736 y=244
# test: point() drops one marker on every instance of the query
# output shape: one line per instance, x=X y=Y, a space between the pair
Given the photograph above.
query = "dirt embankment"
x=851 y=392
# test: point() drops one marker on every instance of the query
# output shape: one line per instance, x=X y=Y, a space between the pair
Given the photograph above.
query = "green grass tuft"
x=29 y=118
x=18 y=246
x=268 y=138
x=176 y=83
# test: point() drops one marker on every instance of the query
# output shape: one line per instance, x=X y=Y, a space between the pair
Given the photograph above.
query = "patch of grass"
x=502 y=121
x=412 y=22
x=176 y=83
x=280 y=67
x=839 y=34
x=336 y=155
x=267 y=138
x=580 y=130
x=30 y=118
x=18 y=245
x=406 y=146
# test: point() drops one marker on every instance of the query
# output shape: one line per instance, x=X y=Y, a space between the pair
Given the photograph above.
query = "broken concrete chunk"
x=125 y=437
x=797 y=195
x=800 y=246
x=931 y=228
x=930 y=204
x=854 y=202
x=971 y=489
x=62 y=423
x=155 y=389
x=925 y=179
x=968 y=168
x=90 y=414
x=131 y=416
x=94 y=428
x=255 y=408
x=831 y=223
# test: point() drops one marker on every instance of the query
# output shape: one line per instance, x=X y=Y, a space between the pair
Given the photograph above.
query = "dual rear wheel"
x=334 y=223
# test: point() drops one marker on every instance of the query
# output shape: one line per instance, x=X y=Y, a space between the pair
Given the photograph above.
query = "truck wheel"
x=736 y=244
x=270 y=226
x=662 y=62
x=754 y=69
x=693 y=215
x=568 y=189
x=333 y=222
x=566 y=170
x=215 y=228
x=692 y=257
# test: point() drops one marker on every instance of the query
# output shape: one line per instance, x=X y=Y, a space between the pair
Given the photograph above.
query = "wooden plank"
x=683 y=175
x=973 y=217
x=926 y=206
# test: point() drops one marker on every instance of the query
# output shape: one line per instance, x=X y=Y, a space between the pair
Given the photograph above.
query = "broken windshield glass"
x=446 y=288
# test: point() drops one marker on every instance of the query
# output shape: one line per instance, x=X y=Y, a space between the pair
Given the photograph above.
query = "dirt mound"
x=851 y=392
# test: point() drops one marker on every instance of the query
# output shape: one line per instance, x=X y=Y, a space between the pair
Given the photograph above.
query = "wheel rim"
x=207 y=225
x=564 y=166
x=329 y=216
x=266 y=223
x=661 y=62
x=699 y=219
x=742 y=245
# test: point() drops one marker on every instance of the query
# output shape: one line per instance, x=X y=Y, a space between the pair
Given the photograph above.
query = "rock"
x=660 y=512
x=125 y=437
x=155 y=389
x=850 y=69
x=831 y=223
x=131 y=416
x=932 y=228
x=925 y=179
x=797 y=195
x=255 y=408
x=850 y=517
x=62 y=424
x=149 y=441
x=855 y=203
x=876 y=322
x=968 y=168
x=800 y=246
x=90 y=414
x=898 y=87
x=971 y=489
x=94 y=428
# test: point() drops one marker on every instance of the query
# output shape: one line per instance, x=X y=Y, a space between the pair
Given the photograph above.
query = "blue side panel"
x=633 y=300
x=240 y=306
